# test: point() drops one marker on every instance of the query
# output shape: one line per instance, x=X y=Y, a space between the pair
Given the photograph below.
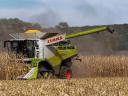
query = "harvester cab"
x=49 y=54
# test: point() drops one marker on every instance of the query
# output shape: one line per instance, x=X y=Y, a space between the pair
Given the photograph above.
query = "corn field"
x=90 y=66
x=101 y=66
x=10 y=67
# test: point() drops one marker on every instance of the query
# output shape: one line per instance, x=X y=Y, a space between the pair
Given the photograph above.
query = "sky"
x=49 y=13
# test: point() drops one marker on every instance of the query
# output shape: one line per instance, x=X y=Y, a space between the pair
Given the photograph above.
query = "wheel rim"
x=68 y=74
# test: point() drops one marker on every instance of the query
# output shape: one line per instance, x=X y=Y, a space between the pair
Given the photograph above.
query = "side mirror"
x=78 y=58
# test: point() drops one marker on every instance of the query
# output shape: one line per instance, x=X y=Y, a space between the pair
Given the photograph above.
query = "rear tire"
x=65 y=72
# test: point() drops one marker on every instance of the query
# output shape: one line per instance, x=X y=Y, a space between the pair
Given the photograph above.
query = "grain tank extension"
x=48 y=54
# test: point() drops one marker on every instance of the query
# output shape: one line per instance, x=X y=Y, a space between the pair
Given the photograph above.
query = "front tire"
x=45 y=75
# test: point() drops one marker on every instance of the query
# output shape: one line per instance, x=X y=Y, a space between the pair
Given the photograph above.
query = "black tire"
x=49 y=75
x=63 y=72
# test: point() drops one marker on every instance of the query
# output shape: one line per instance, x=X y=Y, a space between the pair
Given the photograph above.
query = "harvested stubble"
x=101 y=66
x=73 y=87
x=10 y=67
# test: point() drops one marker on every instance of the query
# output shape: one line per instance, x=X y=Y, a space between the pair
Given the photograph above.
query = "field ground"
x=93 y=76
x=74 y=87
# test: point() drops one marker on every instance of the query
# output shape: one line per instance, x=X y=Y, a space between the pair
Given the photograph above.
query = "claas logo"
x=55 y=39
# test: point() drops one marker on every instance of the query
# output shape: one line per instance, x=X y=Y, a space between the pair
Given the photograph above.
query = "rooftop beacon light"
x=32 y=31
x=36 y=33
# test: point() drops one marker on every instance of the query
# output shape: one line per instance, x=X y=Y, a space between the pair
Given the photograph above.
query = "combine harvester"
x=49 y=54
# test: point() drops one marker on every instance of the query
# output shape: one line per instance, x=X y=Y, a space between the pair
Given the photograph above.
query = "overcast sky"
x=76 y=12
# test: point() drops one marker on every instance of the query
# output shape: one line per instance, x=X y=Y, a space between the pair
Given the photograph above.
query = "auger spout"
x=96 y=30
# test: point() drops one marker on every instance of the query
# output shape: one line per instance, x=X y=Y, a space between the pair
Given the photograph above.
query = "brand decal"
x=55 y=39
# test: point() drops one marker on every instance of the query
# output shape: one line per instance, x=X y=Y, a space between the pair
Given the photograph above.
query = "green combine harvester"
x=48 y=54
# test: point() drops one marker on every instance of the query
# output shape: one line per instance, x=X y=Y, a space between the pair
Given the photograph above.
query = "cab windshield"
x=22 y=47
